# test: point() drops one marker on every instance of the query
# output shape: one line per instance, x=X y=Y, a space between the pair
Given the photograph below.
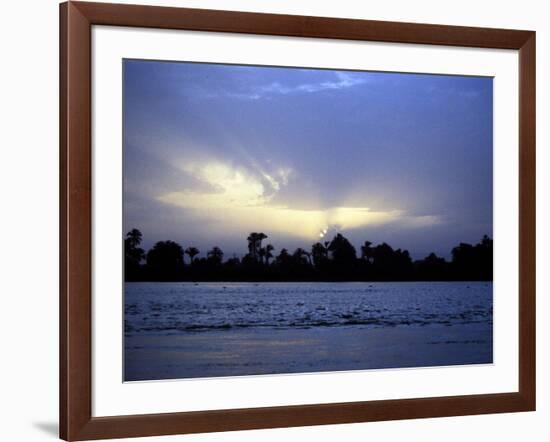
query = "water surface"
x=182 y=330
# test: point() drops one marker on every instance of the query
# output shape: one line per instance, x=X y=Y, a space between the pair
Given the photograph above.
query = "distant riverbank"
x=335 y=260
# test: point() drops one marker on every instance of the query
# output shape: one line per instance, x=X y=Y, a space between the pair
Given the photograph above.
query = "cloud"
x=241 y=200
x=421 y=221
x=342 y=80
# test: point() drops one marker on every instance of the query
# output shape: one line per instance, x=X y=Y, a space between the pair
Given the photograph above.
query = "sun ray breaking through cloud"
x=240 y=198
x=213 y=152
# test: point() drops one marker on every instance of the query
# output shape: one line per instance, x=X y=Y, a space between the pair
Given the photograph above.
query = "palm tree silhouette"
x=192 y=252
x=367 y=251
x=133 y=253
x=268 y=253
x=261 y=254
x=215 y=254
x=319 y=253
x=255 y=244
x=302 y=256
x=328 y=261
x=134 y=237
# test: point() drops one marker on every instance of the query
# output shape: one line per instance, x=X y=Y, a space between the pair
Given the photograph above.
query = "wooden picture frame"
x=76 y=421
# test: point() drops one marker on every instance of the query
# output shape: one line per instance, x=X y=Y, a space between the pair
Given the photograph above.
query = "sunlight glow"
x=243 y=200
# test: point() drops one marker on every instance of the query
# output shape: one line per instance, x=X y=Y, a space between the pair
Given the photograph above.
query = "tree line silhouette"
x=335 y=260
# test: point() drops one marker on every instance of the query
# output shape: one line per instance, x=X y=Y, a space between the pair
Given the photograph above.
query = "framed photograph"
x=274 y=220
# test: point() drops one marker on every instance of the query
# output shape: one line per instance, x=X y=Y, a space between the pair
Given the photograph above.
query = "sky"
x=213 y=152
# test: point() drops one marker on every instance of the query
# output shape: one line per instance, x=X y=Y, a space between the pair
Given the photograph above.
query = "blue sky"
x=213 y=152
